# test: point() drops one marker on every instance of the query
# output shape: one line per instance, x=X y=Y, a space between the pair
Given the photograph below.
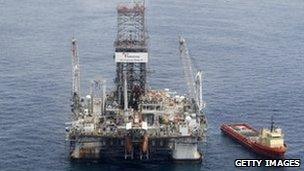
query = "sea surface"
x=251 y=53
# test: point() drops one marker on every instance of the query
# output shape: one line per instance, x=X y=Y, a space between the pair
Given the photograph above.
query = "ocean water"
x=251 y=52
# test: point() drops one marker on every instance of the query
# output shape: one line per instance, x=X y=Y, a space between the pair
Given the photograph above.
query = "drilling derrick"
x=131 y=54
x=76 y=79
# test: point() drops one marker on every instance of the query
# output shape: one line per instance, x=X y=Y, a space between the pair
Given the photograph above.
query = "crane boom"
x=76 y=69
x=76 y=107
x=187 y=66
x=194 y=84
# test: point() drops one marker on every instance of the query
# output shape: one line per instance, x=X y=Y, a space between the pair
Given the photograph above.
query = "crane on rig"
x=76 y=79
x=194 y=82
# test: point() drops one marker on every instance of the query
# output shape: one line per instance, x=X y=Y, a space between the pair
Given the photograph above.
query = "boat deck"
x=245 y=130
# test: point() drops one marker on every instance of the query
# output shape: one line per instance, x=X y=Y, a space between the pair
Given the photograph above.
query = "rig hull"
x=111 y=149
x=251 y=142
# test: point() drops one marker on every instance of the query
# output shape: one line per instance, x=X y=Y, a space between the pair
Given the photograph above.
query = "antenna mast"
x=272 y=124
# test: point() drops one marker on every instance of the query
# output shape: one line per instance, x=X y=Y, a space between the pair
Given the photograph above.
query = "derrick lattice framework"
x=131 y=54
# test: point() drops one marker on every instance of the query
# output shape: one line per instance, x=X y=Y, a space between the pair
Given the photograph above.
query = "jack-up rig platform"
x=134 y=122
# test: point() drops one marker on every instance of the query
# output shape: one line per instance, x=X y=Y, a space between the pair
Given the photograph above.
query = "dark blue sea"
x=251 y=52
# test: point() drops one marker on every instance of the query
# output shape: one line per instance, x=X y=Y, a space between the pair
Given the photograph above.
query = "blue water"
x=251 y=52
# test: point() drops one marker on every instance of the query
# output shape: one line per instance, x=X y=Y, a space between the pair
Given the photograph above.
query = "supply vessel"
x=266 y=142
x=132 y=121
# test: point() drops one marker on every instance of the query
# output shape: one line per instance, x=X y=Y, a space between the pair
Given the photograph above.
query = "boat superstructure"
x=134 y=122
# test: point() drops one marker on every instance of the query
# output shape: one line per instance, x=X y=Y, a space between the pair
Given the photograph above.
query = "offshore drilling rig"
x=134 y=122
